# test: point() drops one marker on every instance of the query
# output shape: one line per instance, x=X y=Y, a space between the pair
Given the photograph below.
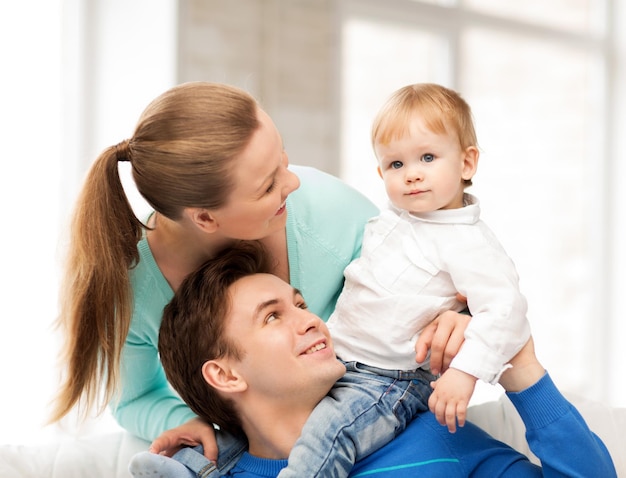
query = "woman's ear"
x=221 y=376
x=202 y=218
x=470 y=163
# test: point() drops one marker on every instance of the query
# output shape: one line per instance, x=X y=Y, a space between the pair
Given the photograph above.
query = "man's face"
x=288 y=353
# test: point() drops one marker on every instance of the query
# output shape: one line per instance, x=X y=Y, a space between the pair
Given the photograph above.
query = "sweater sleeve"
x=146 y=405
x=558 y=435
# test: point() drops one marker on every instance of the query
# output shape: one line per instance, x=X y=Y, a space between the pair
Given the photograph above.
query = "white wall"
x=30 y=174
x=76 y=75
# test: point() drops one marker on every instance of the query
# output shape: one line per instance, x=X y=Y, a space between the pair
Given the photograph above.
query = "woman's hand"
x=195 y=432
x=444 y=337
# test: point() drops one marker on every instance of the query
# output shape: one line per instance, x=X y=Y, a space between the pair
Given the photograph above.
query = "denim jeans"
x=366 y=409
x=190 y=462
x=229 y=447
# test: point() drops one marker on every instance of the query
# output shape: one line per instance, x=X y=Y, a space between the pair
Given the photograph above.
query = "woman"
x=212 y=165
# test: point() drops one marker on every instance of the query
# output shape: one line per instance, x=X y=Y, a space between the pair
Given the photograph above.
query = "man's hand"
x=444 y=337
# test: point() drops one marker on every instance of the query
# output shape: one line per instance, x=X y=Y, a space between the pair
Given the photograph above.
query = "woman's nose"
x=292 y=181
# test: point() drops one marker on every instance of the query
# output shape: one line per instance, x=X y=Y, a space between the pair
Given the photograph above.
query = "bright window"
x=536 y=74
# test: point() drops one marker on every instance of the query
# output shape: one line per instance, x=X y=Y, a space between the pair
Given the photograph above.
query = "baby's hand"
x=451 y=395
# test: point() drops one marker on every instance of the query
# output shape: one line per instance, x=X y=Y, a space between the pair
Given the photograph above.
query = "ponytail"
x=181 y=154
x=96 y=303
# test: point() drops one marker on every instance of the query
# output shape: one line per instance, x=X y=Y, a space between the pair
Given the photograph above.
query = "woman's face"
x=256 y=207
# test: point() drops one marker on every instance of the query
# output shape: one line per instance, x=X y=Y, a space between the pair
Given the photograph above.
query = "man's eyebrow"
x=264 y=305
x=268 y=303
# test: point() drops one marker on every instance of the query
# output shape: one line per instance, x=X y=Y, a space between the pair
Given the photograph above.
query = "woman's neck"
x=276 y=245
x=179 y=248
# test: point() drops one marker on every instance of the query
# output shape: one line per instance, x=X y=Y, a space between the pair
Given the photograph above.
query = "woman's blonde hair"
x=180 y=155
x=443 y=110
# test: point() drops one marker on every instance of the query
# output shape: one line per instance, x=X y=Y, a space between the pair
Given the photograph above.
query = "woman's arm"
x=147 y=406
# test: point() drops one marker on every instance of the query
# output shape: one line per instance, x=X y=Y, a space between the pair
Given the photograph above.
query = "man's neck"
x=272 y=431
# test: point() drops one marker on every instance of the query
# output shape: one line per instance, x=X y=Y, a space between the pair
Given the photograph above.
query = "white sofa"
x=107 y=455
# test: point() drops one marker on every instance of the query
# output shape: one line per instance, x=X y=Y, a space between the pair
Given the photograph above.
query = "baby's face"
x=423 y=171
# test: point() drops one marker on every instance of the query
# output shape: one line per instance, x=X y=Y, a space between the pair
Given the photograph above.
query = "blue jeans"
x=365 y=410
x=190 y=462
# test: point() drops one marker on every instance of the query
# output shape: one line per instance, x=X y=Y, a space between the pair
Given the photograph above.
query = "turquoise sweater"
x=325 y=221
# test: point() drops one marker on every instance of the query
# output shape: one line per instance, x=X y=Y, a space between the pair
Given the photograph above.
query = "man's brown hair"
x=192 y=330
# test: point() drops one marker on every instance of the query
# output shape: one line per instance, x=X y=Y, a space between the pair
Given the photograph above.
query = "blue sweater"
x=556 y=434
x=325 y=222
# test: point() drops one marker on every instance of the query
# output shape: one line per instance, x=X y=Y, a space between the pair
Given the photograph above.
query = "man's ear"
x=202 y=218
x=470 y=162
x=222 y=377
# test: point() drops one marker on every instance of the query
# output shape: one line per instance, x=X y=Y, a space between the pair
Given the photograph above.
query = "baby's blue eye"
x=427 y=158
x=396 y=165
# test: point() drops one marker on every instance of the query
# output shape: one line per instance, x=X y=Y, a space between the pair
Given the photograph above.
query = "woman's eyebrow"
x=267 y=181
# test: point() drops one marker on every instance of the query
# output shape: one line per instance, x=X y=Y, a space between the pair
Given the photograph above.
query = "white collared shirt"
x=410 y=269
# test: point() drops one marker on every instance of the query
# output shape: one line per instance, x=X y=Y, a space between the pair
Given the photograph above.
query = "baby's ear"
x=470 y=162
x=221 y=376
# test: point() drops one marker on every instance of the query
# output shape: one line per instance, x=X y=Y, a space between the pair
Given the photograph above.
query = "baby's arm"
x=481 y=270
x=451 y=396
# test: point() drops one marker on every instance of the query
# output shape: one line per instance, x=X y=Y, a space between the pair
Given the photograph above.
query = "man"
x=242 y=350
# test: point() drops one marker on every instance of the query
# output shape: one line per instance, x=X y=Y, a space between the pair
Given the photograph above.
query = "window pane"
x=574 y=15
x=378 y=58
x=540 y=127
x=443 y=3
